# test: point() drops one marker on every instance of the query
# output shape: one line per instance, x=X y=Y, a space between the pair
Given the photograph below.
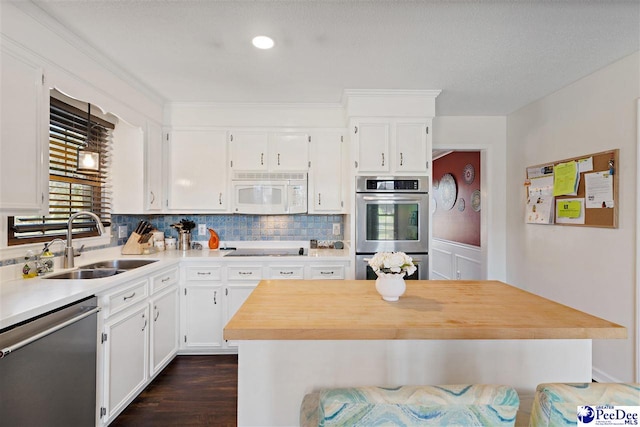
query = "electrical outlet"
x=122 y=231
x=336 y=228
x=202 y=229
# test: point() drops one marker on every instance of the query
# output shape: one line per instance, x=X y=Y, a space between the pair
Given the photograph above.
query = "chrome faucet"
x=68 y=250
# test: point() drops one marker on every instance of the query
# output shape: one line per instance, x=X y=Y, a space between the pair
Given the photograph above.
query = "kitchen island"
x=296 y=336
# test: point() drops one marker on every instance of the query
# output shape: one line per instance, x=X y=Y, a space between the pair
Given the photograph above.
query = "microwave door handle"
x=286 y=198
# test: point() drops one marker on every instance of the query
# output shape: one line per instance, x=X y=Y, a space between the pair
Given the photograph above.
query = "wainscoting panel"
x=455 y=261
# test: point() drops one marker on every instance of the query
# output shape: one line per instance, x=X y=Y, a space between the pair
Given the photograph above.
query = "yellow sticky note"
x=565 y=178
x=569 y=209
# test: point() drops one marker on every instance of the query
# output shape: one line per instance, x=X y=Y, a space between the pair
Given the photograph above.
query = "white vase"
x=390 y=286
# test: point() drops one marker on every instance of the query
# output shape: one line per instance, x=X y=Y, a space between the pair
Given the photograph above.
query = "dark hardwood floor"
x=191 y=391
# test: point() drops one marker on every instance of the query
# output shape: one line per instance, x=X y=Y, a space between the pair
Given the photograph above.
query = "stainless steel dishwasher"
x=48 y=368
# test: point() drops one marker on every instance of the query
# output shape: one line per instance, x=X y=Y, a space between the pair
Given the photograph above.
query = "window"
x=70 y=190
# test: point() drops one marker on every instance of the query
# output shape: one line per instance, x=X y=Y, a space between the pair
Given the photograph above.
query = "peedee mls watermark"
x=607 y=415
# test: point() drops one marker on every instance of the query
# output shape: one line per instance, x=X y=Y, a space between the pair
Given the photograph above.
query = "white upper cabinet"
x=392 y=146
x=326 y=189
x=289 y=152
x=269 y=151
x=249 y=150
x=24 y=122
x=154 y=167
x=197 y=171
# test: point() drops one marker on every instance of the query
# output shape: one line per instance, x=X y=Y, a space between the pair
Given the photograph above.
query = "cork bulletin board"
x=594 y=167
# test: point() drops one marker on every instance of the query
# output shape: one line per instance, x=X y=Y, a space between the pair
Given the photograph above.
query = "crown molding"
x=42 y=17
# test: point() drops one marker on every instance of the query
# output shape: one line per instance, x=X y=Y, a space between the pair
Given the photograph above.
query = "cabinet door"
x=164 y=328
x=411 y=147
x=203 y=317
x=126 y=358
x=235 y=296
x=372 y=142
x=127 y=165
x=325 y=175
x=154 y=166
x=198 y=162
x=289 y=152
x=24 y=122
x=249 y=151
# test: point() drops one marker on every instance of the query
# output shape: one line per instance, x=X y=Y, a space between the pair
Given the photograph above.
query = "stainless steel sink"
x=98 y=270
x=97 y=273
x=120 y=264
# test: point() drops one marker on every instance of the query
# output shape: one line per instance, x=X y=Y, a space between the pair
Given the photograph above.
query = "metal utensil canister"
x=184 y=240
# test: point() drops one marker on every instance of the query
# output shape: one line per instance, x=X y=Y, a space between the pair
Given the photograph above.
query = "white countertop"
x=22 y=299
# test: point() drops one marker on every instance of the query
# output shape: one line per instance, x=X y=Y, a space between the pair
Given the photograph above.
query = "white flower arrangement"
x=392 y=263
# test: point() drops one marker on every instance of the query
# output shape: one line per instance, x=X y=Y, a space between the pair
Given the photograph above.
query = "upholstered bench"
x=452 y=405
x=556 y=404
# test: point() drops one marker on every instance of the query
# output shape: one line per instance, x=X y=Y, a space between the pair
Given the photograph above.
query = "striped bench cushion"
x=556 y=404
x=453 y=405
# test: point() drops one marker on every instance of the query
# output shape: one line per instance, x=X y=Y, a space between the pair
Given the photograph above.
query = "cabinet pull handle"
x=157 y=313
x=153 y=197
x=130 y=296
x=326 y=273
x=278 y=159
x=145 y=322
x=261 y=159
x=319 y=199
x=355 y=129
x=215 y=294
x=220 y=198
x=401 y=159
x=245 y=273
x=382 y=159
x=166 y=279
x=286 y=273
x=200 y=273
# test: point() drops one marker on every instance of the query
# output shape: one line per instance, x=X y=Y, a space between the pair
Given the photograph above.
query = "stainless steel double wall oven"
x=392 y=214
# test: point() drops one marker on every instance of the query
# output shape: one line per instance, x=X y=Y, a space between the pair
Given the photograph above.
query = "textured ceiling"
x=487 y=57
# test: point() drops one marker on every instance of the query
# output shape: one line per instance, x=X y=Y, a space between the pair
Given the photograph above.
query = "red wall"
x=454 y=225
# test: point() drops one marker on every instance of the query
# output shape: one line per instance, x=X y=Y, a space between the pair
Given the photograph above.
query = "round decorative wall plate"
x=469 y=173
x=460 y=204
x=475 y=200
x=434 y=205
x=435 y=184
x=448 y=191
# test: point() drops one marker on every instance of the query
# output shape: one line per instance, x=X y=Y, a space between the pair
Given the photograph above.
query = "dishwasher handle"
x=5 y=351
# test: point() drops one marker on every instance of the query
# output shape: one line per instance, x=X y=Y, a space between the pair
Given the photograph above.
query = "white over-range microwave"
x=269 y=193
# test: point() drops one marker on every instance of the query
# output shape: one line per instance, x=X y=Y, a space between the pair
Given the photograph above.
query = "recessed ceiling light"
x=262 y=42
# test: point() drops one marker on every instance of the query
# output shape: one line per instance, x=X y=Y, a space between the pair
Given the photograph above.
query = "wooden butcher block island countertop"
x=353 y=310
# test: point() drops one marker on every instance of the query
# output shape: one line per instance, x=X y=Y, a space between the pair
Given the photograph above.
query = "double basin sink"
x=99 y=270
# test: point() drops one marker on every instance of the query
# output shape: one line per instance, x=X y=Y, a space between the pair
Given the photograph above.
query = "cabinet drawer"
x=326 y=272
x=244 y=272
x=286 y=272
x=204 y=273
x=127 y=297
x=162 y=280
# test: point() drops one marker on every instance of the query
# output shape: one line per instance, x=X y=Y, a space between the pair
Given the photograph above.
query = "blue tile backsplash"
x=240 y=227
x=229 y=228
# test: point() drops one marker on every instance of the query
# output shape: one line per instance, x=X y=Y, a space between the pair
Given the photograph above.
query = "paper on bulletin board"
x=570 y=211
x=540 y=201
x=598 y=188
x=538 y=171
x=566 y=179
x=585 y=165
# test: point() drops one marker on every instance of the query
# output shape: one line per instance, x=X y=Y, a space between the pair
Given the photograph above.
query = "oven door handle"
x=390 y=198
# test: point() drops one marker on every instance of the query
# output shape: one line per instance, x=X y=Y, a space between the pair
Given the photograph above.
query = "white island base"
x=274 y=376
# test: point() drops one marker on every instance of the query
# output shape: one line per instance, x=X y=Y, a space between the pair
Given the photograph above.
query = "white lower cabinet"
x=139 y=337
x=203 y=316
x=164 y=328
x=235 y=295
x=126 y=359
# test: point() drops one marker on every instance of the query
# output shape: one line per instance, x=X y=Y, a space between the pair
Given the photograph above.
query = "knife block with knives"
x=140 y=240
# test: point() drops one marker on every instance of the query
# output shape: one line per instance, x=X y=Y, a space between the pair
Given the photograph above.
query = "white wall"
x=487 y=134
x=590 y=269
